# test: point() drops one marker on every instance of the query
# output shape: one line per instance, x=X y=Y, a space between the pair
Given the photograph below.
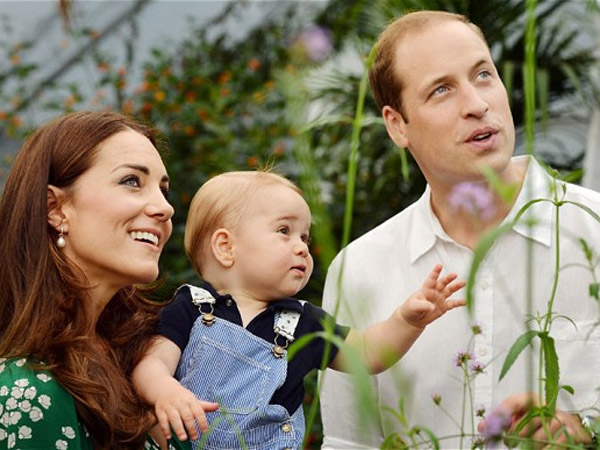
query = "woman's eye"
x=131 y=180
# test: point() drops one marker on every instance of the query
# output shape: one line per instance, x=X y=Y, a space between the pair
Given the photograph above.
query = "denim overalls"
x=225 y=363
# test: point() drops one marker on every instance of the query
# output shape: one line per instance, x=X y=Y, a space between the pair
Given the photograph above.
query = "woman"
x=83 y=219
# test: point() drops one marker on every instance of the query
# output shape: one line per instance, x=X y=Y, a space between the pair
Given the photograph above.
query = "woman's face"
x=116 y=216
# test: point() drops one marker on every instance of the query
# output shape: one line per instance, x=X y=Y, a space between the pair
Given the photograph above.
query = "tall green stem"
x=529 y=87
x=357 y=124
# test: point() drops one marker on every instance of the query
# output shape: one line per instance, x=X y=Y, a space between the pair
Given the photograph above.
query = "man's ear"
x=395 y=126
x=55 y=200
x=221 y=246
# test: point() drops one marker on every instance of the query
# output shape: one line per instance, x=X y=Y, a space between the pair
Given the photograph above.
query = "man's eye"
x=439 y=90
x=484 y=74
x=131 y=180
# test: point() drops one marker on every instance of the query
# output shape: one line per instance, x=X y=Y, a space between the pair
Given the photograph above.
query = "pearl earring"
x=60 y=242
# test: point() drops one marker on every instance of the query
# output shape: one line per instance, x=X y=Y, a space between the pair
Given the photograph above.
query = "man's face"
x=457 y=114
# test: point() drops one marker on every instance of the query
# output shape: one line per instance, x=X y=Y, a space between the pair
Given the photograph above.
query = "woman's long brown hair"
x=42 y=293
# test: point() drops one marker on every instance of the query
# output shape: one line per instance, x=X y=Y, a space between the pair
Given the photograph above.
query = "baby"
x=220 y=356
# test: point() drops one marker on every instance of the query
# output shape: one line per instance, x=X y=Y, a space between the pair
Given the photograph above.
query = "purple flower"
x=477 y=367
x=314 y=43
x=495 y=424
x=462 y=357
x=474 y=199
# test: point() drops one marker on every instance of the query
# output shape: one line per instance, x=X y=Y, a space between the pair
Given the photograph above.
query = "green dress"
x=38 y=413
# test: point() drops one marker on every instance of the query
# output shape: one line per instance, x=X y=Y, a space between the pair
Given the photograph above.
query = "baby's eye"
x=305 y=238
x=284 y=230
x=166 y=190
x=130 y=180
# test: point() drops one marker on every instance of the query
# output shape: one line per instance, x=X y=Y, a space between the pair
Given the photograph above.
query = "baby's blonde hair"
x=222 y=202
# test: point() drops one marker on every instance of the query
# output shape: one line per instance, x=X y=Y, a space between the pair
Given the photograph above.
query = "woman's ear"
x=55 y=200
x=221 y=245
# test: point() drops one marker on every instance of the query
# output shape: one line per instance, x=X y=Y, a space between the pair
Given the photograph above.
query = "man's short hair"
x=386 y=83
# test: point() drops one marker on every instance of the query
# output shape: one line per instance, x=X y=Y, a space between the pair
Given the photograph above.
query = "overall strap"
x=284 y=326
x=202 y=297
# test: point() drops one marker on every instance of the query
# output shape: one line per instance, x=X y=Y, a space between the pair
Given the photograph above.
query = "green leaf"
x=532 y=413
x=355 y=366
x=486 y=243
x=507 y=191
x=587 y=209
x=484 y=246
x=522 y=341
x=586 y=250
x=303 y=341
x=551 y=370
x=435 y=443
x=568 y=388
x=595 y=290
x=394 y=441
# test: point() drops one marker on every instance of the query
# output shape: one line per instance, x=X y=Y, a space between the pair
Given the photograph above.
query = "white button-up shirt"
x=383 y=267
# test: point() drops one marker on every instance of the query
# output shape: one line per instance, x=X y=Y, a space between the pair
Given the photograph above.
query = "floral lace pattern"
x=36 y=412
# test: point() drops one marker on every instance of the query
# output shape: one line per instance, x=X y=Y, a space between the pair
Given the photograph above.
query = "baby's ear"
x=221 y=245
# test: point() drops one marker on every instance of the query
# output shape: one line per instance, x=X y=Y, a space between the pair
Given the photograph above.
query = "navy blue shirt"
x=177 y=320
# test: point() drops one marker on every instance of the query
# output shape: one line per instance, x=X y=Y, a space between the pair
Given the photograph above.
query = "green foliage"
x=519 y=345
x=236 y=105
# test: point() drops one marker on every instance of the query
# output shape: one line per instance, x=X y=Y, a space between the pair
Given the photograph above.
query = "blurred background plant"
x=285 y=95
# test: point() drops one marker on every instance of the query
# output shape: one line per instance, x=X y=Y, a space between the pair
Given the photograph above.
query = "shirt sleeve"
x=177 y=318
x=36 y=412
x=317 y=317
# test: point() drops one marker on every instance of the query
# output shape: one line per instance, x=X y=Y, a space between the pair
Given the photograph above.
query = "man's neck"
x=467 y=228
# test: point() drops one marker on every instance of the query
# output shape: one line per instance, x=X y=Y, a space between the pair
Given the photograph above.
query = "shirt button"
x=228 y=302
x=482 y=351
x=286 y=428
x=287 y=448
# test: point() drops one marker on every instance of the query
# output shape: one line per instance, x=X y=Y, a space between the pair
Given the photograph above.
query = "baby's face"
x=271 y=250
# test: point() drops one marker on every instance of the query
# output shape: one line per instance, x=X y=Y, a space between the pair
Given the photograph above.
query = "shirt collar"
x=284 y=303
x=537 y=184
x=426 y=228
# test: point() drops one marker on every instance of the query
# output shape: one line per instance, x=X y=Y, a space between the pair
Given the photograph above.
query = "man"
x=442 y=98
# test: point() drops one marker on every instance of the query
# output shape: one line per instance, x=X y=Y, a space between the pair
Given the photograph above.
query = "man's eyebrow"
x=482 y=62
x=434 y=82
x=443 y=78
